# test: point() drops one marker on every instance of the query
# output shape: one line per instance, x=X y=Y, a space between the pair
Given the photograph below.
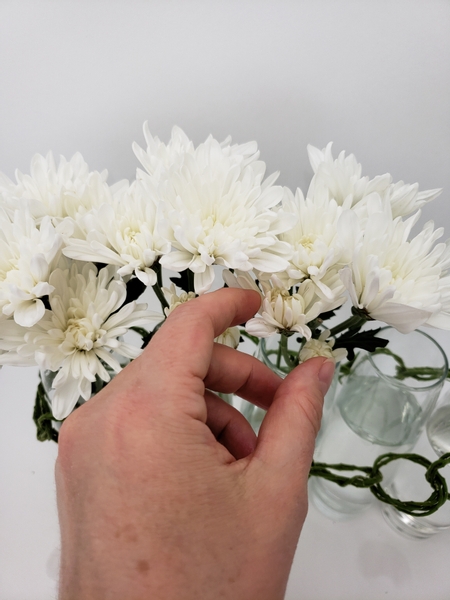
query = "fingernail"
x=325 y=375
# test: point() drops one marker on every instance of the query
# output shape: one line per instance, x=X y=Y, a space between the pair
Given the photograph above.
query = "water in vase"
x=378 y=412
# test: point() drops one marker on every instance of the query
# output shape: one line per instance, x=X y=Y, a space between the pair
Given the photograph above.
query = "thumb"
x=287 y=435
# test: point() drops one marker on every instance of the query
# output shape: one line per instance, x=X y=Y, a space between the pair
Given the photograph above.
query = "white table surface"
x=360 y=558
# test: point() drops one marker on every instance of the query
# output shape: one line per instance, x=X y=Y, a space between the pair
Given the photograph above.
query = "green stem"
x=279 y=354
x=159 y=276
x=252 y=338
x=356 y=321
x=140 y=330
x=157 y=288
x=285 y=352
x=403 y=372
x=160 y=295
x=190 y=278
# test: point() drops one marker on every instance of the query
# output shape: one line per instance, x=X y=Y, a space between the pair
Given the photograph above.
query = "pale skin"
x=164 y=491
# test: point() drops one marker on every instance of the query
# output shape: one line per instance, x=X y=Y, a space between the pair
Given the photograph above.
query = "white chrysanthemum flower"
x=396 y=280
x=406 y=199
x=441 y=319
x=219 y=211
x=280 y=310
x=323 y=240
x=78 y=335
x=12 y=337
x=28 y=255
x=68 y=189
x=341 y=179
x=244 y=280
x=159 y=159
x=230 y=337
x=123 y=232
x=241 y=280
x=322 y=347
x=174 y=299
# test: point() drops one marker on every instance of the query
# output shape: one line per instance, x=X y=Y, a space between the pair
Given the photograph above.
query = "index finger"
x=185 y=341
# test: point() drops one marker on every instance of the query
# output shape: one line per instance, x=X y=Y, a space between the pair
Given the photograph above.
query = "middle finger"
x=234 y=372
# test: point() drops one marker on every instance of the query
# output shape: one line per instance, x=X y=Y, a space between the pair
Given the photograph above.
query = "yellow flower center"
x=307 y=241
x=129 y=235
x=275 y=292
x=81 y=334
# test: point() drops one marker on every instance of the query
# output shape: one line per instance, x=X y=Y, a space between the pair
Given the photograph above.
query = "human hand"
x=165 y=492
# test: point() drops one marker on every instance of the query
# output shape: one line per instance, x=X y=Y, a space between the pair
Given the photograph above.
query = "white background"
x=373 y=76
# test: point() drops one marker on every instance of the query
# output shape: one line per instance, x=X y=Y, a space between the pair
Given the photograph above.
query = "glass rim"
x=435 y=383
x=411 y=387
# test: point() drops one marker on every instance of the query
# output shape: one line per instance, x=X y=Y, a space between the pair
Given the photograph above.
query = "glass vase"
x=382 y=407
x=409 y=485
x=268 y=352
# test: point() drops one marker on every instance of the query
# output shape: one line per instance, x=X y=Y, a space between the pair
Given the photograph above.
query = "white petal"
x=42 y=289
x=65 y=397
x=259 y=328
x=95 y=252
x=316 y=156
x=29 y=313
x=404 y=318
x=203 y=281
x=269 y=263
x=13 y=359
x=347 y=279
x=177 y=260
x=439 y=320
x=147 y=276
x=39 y=267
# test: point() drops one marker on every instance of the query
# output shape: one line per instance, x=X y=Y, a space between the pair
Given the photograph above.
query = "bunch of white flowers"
x=76 y=254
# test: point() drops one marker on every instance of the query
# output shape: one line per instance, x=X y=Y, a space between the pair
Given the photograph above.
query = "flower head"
x=396 y=280
x=174 y=299
x=323 y=346
x=285 y=312
x=123 y=232
x=230 y=337
x=341 y=179
x=81 y=333
x=405 y=199
x=322 y=240
x=28 y=255
x=160 y=159
x=68 y=189
x=217 y=209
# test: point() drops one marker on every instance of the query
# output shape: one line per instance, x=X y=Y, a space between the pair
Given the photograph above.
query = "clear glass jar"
x=379 y=409
x=268 y=352
x=409 y=485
